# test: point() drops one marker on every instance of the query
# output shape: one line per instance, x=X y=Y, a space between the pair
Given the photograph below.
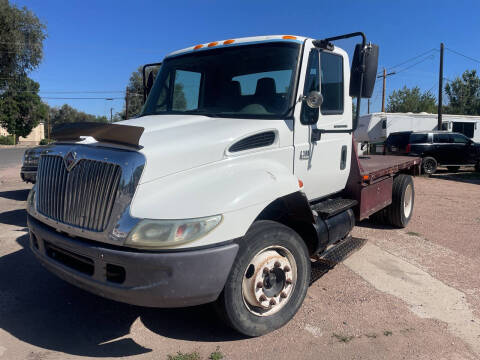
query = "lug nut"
x=277 y=264
x=273 y=302
x=262 y=298
x=259 y=285
x=286 y=268
x=288 y=281
x=266 y=271
x=283 y=294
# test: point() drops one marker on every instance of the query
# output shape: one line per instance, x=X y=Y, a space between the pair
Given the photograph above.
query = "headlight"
x=151 y=234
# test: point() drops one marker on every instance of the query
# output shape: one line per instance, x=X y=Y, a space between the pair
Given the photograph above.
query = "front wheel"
x=268 y=281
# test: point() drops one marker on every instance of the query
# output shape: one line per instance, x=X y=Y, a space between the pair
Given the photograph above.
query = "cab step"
x=340 y=251
x=331 y=207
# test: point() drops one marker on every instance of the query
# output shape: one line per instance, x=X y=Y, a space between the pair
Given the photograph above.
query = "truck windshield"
x=252 y=81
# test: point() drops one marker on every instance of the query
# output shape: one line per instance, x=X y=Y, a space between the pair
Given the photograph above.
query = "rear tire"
x=400 y=211
x=286 y=287
x=429 y=165
x=453 y=168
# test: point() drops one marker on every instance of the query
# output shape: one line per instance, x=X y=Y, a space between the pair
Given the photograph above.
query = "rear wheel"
x=429 y=165
x=399 y=212
x=453 y=168
x=268 y=281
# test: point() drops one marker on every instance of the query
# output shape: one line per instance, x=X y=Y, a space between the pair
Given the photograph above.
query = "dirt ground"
x=406 y=294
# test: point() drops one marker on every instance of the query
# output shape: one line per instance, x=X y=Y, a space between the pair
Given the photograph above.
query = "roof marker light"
x=226 y=42
x=197 y=47
x=289 y=37
x=212 y=44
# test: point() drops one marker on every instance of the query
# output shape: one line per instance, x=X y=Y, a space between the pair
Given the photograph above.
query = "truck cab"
x=239 y=170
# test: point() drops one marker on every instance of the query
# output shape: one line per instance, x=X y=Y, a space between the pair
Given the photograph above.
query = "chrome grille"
x=82 y=197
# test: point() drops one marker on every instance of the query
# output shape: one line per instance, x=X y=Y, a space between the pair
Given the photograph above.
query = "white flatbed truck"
x=240 y=169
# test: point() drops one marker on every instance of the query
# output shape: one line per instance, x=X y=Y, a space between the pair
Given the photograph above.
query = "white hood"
x=174 y=143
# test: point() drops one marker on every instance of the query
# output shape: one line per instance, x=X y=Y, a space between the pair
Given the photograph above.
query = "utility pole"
x=440 y=89
x=368 y=106
x=384 y=76
x=126 y=104
x=111 y=116
x=48 y=126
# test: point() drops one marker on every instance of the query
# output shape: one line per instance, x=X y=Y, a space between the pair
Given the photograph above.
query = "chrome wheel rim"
x=407 y=201
x=269 y=281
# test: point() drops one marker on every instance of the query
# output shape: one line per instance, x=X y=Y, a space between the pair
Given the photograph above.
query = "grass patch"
x=216 y=355
x=342 y=338
x=387 y=333
x=413 y=233
x=371 y=336
x=184 y=356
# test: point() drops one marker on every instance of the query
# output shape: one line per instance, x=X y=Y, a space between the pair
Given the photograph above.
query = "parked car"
x=437 y=148
x=28 y=172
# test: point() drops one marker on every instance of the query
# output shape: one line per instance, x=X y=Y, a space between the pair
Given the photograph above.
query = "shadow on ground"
x=42 y=310
x=466 y=176
x=14 y=217
x=19 y=195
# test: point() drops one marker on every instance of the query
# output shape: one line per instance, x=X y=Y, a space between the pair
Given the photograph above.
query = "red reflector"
x=408 y=148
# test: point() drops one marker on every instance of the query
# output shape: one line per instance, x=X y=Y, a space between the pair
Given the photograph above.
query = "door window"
x=312 y=83
x=332 y=83
x=441 y=138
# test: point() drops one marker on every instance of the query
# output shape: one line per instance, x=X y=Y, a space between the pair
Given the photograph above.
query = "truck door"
x=323 y=165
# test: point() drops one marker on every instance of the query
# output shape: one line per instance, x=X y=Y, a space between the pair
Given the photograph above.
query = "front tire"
x=268 y=281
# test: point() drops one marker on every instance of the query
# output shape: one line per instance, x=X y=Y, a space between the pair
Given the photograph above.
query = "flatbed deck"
x=376 y=166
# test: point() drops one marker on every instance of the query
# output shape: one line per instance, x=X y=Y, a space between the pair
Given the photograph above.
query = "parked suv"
x=436 y=148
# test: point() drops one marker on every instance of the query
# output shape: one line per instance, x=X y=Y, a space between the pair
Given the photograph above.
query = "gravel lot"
x=410 y=293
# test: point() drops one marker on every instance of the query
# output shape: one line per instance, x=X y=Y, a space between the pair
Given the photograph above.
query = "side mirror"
x=314 y=99
x=369 y=71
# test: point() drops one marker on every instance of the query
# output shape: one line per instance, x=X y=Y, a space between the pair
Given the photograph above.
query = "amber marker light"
x=300 y=183
x=227 y=42
x=212 y=44
x=289 y=37
x=366 y=177
x=197 y=47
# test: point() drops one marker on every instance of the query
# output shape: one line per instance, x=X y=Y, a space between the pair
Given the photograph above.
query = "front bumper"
x=28 y=173
x=160 y=279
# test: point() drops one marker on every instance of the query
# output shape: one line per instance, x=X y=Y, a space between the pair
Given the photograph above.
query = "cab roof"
x=237 y=41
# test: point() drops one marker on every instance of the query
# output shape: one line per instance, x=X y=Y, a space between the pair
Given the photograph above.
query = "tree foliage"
x=21 y=109
x=67 y=114
x=411 y=100
x=21 y=42
x=464 y=94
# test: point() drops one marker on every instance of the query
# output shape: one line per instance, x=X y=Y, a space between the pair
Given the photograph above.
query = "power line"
x=415 y=64
x=411 y=59
x=465 y=56
x=82 y=98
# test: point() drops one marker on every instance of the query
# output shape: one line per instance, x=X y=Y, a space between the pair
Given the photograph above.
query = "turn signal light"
x=300 y=183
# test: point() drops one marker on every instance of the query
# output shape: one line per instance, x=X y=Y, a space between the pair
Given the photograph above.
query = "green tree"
x=411 y=100
x=67 y=114
x=464 y=94
x=21 y=109
x=21 y=42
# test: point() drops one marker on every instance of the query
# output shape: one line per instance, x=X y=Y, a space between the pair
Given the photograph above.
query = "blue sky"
x=95 y=45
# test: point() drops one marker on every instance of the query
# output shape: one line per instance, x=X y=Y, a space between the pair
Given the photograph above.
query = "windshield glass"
x=236 y=81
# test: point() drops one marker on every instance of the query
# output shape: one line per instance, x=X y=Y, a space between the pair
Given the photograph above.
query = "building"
x=37 y=134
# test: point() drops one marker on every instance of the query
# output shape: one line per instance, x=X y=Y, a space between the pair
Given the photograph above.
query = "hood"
x=174 y=143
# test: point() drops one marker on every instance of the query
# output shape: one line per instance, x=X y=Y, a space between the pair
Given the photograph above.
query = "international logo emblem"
x=70 y=160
